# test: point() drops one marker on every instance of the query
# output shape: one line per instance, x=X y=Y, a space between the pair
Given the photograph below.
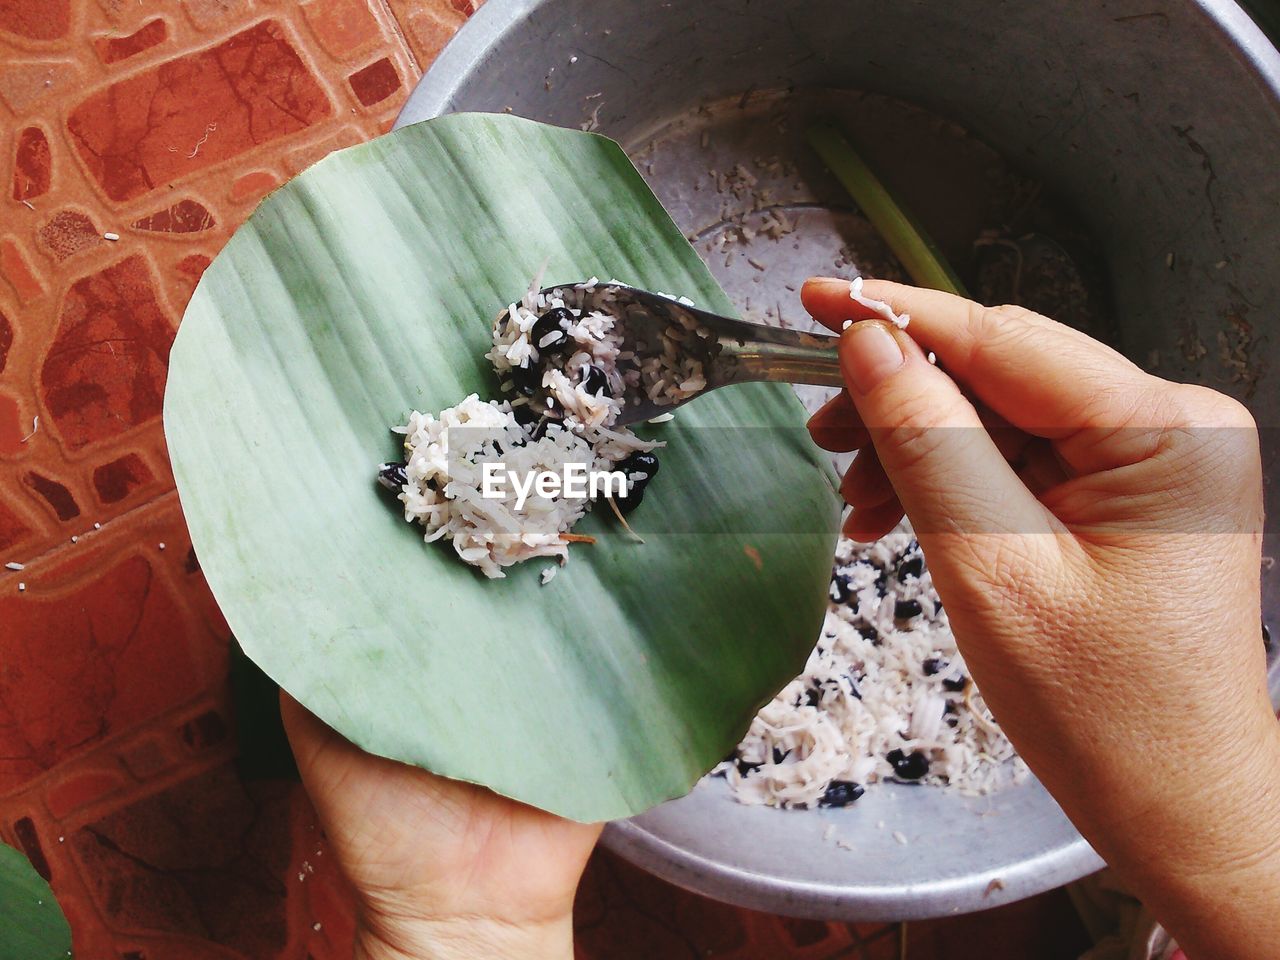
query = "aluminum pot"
x=1157 y=121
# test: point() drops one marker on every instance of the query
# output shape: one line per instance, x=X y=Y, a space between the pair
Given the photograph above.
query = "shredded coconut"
x=884 y=696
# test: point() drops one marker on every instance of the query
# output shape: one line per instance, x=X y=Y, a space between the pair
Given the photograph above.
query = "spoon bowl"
x=662 y=334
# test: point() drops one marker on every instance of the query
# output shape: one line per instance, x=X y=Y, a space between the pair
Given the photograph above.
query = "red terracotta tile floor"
x=136 y=136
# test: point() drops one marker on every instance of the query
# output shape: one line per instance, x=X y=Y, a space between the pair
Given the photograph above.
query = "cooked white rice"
x=664 y=372
x=879 y=307
x=445 y=454
x=881 y=679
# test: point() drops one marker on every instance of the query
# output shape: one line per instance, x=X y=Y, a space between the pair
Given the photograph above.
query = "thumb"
x=945 y=468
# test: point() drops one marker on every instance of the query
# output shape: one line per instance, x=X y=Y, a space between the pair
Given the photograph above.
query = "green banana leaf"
x=32 y=925
x=366 y=287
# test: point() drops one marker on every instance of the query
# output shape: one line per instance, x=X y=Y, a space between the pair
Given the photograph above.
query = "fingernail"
x=868 y=354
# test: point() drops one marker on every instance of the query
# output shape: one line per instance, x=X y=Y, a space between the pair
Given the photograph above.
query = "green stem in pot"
x=909 y=242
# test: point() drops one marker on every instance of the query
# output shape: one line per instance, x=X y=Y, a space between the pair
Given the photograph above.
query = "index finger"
x=1040 y=375
x=837 y=303
x=1045 y=378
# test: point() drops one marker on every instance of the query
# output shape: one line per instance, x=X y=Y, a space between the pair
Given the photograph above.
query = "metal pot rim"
x=496 y=18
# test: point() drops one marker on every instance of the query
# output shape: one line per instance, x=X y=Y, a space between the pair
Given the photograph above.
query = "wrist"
x=1213 y=878
x=463 y=938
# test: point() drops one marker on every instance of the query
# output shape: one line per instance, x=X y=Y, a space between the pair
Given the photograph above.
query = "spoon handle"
x=760 y=353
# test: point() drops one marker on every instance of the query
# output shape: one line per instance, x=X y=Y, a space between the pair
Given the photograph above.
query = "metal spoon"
x=729 y=351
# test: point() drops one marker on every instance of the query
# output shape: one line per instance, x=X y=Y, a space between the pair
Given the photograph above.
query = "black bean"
x=853 y=687
x=556 y=341
x=392 y=476
x=955 y=685
x=534 y=422
x=527 y=379
x=632 y=500
x=907 y=609
x=745 y=768
x=641 y=462
x=911 y=766
x=779 y=756
x=869 y=633
x=812 y=697
x=594 y=381
x=550 y=328
x=911 y=568
x=951 y=714
x=882 y=583
x=841 y=793
x=932 y=666
x=560 y=316
x=841 y=588
x=525 y=414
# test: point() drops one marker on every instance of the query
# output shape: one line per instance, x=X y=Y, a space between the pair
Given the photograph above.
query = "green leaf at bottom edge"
x=32 y=925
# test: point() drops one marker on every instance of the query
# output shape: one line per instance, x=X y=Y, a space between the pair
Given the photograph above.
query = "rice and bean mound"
x=560 y=359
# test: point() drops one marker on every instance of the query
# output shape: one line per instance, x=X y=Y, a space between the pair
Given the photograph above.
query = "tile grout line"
x=401 y=36
x=54 y=553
